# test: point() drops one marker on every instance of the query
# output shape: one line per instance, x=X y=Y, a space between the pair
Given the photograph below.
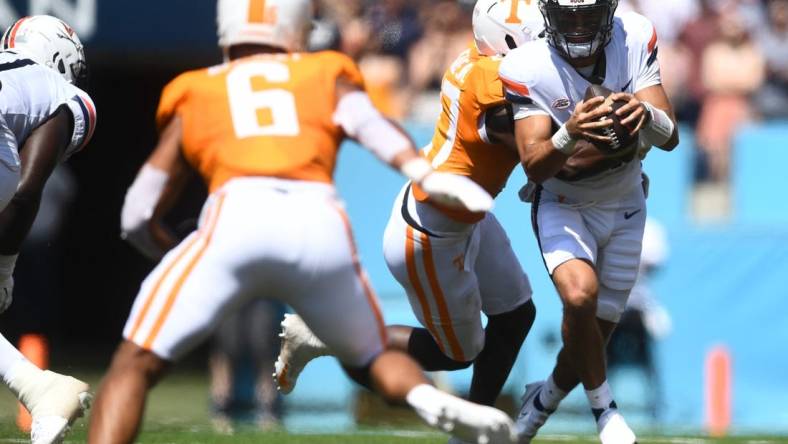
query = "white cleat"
x=54 y=401
x=465 y=421
x=532 y=414
x=613 y=429
x=299 y=346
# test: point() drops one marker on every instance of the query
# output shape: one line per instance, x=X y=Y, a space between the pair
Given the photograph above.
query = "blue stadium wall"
x=723 y=285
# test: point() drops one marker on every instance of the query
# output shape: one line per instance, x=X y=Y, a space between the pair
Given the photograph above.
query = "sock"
x=600 y=399
x=551 y=395
x=10 y=360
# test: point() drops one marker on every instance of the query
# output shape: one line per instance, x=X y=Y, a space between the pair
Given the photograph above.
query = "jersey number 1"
x=267 y=112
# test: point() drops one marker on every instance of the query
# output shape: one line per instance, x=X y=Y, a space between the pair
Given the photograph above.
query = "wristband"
x=416 y=169
x=659 y=128
x=563 y=142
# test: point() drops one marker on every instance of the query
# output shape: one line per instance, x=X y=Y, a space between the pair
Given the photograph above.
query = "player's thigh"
x=619 y=259
x=503 y=284
x=194 y=285
x=561 y=232
x=437 y=275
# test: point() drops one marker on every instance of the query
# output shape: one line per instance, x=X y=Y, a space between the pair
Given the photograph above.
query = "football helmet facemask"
x=578 y=28
x=502 y=25
x=50 y=42
x=282 y=24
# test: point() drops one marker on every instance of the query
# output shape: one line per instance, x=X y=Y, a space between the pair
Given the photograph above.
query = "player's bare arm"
x=156 y=189
x=40 y=155
x=647 y=108
x=543 y=153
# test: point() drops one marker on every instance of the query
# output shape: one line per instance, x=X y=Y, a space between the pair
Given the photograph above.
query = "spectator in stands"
x=325 y=34
x=772 y=99
x=395 y=27
x=732 y=70
x=696 y=37
x=668 y=16
x=447 y=33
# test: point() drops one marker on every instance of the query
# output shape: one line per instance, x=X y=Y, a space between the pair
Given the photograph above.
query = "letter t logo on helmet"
x=502 y=25
x=283 y=24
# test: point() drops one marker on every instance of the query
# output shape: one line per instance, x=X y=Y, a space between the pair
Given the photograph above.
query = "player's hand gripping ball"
x=618 y=138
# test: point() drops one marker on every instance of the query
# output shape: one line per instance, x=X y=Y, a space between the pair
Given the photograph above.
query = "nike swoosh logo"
x=628 y=216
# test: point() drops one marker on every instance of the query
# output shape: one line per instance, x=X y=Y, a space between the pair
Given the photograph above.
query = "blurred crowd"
x=724 y=62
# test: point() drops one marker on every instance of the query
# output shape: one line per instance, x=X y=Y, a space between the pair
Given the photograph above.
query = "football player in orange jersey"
x=455 y=264
x=263 y=131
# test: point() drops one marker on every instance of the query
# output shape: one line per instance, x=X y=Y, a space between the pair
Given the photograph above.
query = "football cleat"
x=465 y=421
x=532 y=414
x=54 y=401
x=613 y=429
x=299 y=346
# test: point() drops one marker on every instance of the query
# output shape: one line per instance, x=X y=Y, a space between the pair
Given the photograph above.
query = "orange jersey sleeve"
x=459 y=145
x=265 y=115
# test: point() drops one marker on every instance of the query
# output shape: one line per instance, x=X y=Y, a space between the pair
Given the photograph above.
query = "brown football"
x=621 y=138
x=588 y=161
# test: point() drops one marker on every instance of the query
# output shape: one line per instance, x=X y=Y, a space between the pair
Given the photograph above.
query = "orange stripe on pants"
x=371 y=298
x=155 y=290
x=440 y=300
x=413 y=276
x=165 y=311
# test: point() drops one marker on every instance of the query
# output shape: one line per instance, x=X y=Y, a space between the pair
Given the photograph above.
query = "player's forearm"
x=15 y=222
x=542 y=161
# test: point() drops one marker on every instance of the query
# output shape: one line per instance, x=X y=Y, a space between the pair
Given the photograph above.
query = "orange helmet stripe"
x=14 y=30
x=256 y=11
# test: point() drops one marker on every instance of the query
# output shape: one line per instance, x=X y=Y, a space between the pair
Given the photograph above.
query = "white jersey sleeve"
x=517 y=76
x=524 y=110
x=641 y=36
x=84 y=112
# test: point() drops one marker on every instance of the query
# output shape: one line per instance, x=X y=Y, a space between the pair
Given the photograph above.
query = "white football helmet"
x=49 y=41
x=281 y=23
x=502 y=25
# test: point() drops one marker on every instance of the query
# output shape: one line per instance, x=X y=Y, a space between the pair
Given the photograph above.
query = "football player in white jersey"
x=589 y=225
x=44 y=118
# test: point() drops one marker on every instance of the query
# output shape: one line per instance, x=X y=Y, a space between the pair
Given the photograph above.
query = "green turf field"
x=177 y=413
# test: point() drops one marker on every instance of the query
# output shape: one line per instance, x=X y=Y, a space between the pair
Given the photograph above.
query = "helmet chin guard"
x=578 y=28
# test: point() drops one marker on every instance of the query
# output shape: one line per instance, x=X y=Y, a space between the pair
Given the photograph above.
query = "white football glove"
x=447 y=189
x=7 y=264
x=456 y=191
x=6 y=293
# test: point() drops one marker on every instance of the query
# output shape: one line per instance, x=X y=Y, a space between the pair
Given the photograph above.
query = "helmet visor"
x=581 y=24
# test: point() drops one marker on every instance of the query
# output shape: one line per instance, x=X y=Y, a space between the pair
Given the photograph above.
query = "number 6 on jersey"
x=261 y=112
